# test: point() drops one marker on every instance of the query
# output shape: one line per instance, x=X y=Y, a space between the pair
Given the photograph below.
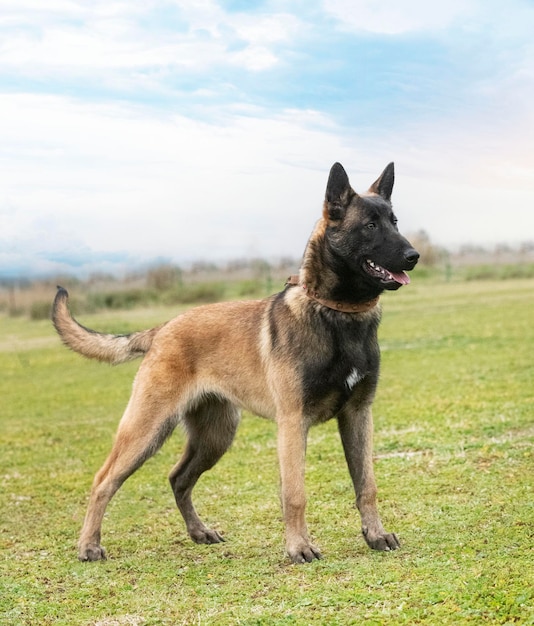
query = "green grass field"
x=454 y=464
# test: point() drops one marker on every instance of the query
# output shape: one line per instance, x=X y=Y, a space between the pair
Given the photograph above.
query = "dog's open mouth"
x=384 y=275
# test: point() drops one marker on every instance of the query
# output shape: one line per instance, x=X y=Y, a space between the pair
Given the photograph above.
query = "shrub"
x=198 y=292
x=499 y=272
x=248 y=288
x=40 y=310
x=164 y=277
x=481 y=272
x=127 y=299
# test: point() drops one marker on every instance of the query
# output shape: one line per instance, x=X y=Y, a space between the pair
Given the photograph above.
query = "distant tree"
x=469 y=249
x=203 y=267
x=503 y=248
x=164 y=277
x=260 y=267
x=100 y=277
x=431 y=254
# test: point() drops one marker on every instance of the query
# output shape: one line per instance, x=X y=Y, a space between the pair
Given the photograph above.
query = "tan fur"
x=273 y=357
x=109 y=348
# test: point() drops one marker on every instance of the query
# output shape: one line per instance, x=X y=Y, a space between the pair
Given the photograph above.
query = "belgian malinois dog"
x=302 y=356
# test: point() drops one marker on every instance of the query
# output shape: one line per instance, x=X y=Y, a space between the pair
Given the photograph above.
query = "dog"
x=301 y=357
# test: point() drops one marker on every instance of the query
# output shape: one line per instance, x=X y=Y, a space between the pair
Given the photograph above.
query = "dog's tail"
x=112 y=349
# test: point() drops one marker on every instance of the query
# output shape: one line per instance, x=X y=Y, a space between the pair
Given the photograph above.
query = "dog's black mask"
x=362 y=232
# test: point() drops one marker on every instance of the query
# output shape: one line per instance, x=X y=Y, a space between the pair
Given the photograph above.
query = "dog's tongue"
x=401 y=277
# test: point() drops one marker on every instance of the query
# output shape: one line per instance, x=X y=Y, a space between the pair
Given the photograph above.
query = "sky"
x=134 y=132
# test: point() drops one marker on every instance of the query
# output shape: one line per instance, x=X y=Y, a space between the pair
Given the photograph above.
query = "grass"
x=454 y=464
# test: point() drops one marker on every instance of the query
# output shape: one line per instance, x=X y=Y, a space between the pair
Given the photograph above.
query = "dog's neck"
x=319 y=280
x=343 y=307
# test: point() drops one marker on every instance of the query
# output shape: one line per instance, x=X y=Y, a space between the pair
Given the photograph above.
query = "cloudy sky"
x=205 y=129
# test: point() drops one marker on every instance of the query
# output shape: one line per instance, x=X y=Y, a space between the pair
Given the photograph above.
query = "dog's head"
x=361 y=230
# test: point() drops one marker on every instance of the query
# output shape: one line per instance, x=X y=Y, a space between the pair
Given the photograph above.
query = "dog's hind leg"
x=211 y=427
x=146 y=423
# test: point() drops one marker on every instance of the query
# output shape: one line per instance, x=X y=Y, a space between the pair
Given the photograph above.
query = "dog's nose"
x=412 y=256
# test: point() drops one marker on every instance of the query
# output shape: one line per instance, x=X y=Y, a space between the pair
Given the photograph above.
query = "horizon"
x=125 y=269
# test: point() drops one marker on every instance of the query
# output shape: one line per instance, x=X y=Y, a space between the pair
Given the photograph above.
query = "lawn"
x=454 y=464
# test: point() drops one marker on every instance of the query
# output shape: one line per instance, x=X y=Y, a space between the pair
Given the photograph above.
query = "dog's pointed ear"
x=339 y=193
x=384 y=185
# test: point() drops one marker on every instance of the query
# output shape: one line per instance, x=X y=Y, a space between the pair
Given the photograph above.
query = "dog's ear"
x=384 y=185
x=339 y=193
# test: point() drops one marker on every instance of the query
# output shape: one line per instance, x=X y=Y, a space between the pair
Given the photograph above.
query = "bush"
x=517 y=271
x=127 y=299
x=199 y=292
x=164 y=277
x=481 y=272
x=250 y=288
x=499 y=272
x=40 y=310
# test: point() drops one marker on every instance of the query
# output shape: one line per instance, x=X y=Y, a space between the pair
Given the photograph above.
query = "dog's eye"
x=371 y=225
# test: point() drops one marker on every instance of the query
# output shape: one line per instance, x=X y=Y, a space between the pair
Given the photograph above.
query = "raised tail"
x=112 y=349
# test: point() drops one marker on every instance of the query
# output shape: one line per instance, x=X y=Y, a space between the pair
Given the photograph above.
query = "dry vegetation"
x=162 y=285
x=208 y=282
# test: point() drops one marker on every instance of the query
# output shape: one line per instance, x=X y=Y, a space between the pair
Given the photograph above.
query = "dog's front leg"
x=356 y=430
x=291 y=455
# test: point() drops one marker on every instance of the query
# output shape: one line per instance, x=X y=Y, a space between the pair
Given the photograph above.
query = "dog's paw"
x=206 y=535
x=91 y=552
x=381 y=541
x=303 y=552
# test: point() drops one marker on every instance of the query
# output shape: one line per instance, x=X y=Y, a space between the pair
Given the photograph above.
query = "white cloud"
x=255 y=58
x=94 y=49
x=392 y=17
x=118 y=178
x=122 y=179
x=265 y=29
x=102 y=37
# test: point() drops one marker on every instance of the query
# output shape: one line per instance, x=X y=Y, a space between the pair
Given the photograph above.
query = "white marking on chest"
x=353 y=378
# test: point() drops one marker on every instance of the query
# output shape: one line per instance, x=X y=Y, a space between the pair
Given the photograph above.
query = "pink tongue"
x=401 y=277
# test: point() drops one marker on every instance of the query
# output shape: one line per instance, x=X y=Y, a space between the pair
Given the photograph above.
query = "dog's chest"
x=354 y=377
x=332 y=375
